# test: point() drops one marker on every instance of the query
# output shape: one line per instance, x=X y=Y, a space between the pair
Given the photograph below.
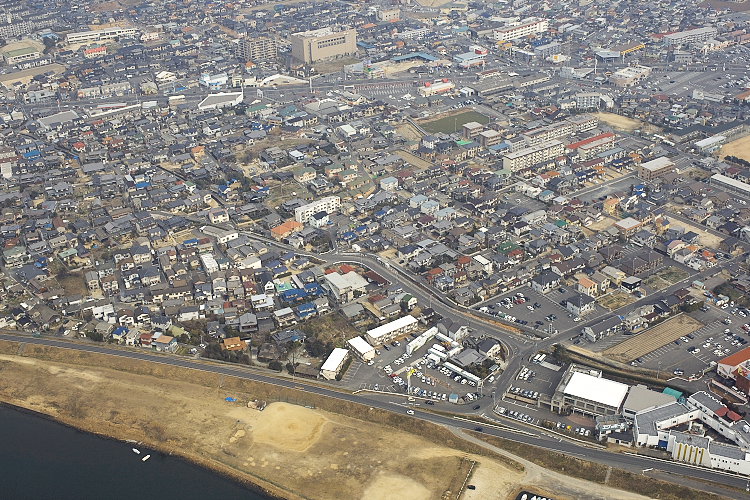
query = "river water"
x=41 y=459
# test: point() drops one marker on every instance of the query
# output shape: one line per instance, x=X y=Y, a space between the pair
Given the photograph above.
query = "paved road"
x=535 y=438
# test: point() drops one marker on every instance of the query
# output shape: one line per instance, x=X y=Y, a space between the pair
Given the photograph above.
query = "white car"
x=410 y=412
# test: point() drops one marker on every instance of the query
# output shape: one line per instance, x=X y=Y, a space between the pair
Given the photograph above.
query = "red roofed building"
x=729 y=365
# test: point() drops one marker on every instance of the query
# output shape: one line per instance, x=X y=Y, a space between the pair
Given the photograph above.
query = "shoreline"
x=272 y=492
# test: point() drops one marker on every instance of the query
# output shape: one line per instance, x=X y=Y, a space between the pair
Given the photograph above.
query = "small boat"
x=136 y=451
x=145 y=458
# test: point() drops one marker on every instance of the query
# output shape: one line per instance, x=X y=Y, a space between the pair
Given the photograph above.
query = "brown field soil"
x=653 y=338
x=704 y=237
x=413 y=160
x=409 y=132
x=615 y=300
x=739 y=148
x=26 y=75
x=619 y=122
x=626 y=124
x=22 y=44
x=73 y=283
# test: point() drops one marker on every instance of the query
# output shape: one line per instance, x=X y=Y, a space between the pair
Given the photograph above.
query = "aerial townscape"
x=385 y=249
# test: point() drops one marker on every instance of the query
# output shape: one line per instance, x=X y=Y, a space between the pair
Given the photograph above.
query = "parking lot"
x=540 y=312
x=708 y=345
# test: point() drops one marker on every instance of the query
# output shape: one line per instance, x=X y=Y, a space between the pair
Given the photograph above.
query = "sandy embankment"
x=289 y=450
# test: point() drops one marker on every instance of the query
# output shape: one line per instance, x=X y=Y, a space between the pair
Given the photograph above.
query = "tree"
x=96 y=336
x=275 y=365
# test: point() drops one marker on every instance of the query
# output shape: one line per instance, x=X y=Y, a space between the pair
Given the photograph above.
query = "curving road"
x=628 y=462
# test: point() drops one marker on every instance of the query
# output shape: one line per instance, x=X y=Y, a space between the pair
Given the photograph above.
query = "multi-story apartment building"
x=311 y=46
x=328 y=204
x=256 y=49
x=690 y=36
x=531 y=26
x=525 y=158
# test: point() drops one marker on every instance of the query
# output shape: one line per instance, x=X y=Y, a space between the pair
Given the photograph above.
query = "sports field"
x=453 y=122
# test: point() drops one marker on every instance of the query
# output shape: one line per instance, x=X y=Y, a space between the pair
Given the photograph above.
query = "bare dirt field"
x=653 y=338
x=739 y=148
x=26 y=75
x=22 y=44
x=615 y=300
x=704 y=237
x=619 y=122
x=413 y=160
x=409 y=132
x=432 y=3
x=626 y=124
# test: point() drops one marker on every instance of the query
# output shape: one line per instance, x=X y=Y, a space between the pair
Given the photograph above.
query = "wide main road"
x=537 y=438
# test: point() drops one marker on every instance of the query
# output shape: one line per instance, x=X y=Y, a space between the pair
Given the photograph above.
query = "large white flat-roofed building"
x=329 y=204
x=729 y=184
x=690 y=36
x=22 y=54
x=311 y=46
x=346 y=287
x=333 y=363
x=221 y=100
x=389 y=331
x=528 y=157
x=526 y=28
x=99 y=35
x=362 y=349
x=655 y=168
x=584 y=390
x=629 y=76
x=436 y=87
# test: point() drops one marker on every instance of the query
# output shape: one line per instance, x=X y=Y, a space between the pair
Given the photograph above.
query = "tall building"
x=528 y=27
x=311 y=46
x=256 y=49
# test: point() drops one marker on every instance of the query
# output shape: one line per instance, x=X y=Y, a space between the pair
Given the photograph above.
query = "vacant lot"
x=453 y=122
x=616 y=300
x=704 y=237
x=413 y=160
x=653 y=338
x=409 y=132
x=666 y=277
x=739 y=148
x=26 y=75
x=619 y=122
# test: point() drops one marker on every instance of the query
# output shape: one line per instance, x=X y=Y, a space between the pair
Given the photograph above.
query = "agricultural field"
x=653 y=338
